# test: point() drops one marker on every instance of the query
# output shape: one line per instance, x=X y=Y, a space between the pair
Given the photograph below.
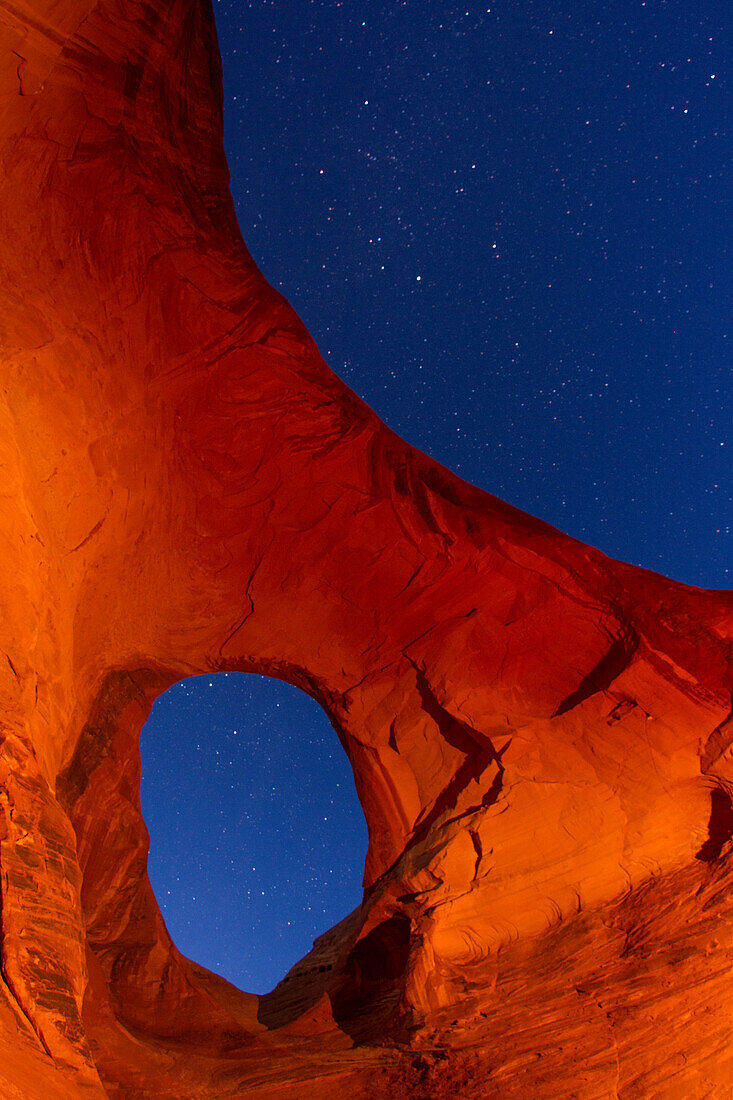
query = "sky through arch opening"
x=257 y=838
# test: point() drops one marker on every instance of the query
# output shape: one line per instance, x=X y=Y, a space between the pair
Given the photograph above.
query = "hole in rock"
x=257 y=838
x=374 y=979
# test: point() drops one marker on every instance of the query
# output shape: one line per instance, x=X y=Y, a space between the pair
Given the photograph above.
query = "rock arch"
x=535 y=730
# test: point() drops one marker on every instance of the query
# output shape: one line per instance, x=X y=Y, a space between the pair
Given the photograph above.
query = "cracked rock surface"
x=541 y=737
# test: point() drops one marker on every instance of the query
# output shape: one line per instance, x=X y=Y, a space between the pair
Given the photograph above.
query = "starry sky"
x=507 y=227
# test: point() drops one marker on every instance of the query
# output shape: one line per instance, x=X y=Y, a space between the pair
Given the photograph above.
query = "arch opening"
x=257 y=837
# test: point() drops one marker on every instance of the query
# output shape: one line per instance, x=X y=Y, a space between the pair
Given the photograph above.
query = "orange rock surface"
x=540 y=736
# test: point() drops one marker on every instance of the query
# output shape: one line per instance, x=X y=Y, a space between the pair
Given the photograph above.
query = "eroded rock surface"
x=541 y=737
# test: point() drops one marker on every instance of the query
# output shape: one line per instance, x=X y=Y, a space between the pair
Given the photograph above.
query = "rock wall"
x=540 y=736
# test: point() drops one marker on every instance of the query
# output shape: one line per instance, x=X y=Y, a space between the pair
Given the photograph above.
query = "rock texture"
x=541 y=737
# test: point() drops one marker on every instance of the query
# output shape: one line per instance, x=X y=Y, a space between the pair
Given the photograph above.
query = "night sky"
x=507 y=229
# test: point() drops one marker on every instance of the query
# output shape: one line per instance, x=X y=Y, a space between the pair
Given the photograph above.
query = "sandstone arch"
x=539 y=735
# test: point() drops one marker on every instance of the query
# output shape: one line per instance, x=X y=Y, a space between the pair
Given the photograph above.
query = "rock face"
x=540 y=736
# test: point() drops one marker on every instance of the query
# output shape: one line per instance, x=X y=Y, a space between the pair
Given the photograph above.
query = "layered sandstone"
x=540 y=736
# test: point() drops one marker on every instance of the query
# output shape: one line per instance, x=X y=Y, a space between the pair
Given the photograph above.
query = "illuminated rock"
x=541 y=737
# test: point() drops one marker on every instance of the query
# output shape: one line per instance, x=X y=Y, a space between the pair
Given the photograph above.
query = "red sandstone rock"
x=541 y=737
